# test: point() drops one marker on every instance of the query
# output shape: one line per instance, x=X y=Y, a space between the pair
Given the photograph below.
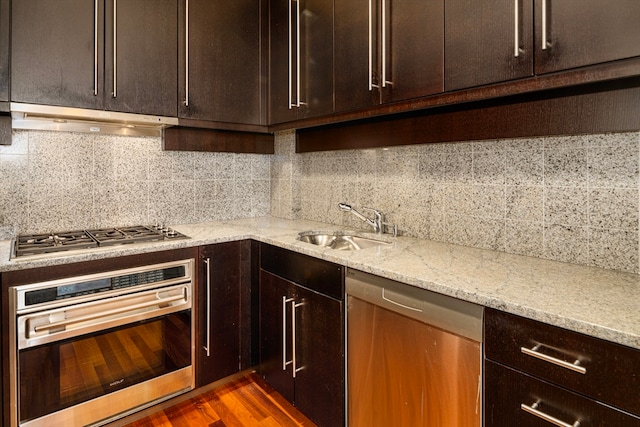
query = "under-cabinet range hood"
x=45 y=117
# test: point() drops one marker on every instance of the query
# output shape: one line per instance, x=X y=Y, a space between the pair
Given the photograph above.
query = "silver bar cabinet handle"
x=95 y=48
x=298 y=102
x=115 y=48
x=385 y=82
x=208 y=346
x=516 y=29
x=291 y=105
x=285 y=300
x=371 y=85
x=294 y=369
x=544 y=25
x=186 y=53
x=533 y=410
x=575 y=366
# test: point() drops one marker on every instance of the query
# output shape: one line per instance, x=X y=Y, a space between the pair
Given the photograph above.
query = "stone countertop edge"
x=597 y=302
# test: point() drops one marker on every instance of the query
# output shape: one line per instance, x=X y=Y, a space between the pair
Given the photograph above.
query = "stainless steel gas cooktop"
x=35 y=244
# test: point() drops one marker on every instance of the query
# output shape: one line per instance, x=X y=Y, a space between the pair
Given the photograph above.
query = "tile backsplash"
x=573 y=199
x=53 y=181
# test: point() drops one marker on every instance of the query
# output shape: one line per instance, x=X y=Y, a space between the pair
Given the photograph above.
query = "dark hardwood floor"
x=246 y=401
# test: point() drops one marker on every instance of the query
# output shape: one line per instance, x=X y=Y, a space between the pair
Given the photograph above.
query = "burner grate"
x=84 y=239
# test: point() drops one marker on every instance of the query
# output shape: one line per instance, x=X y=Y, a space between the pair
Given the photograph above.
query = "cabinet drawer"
x=313 y=273
x=611 y=371
x=510 y=394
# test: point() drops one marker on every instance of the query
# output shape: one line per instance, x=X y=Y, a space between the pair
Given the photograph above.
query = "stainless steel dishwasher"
x=413 y=356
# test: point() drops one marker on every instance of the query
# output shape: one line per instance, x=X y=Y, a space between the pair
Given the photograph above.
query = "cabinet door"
x=141 y=73
x=281 y=59
x=387 y=51
x=355 y=72
x=411 y=48
x=220 y=61
x=219 y=312
x=510 y=397
x=585 y=32
x=4 y=50
x=57 y=52
x=275 y=333
x=487 y=42
x=301 y=59
x=319 y=384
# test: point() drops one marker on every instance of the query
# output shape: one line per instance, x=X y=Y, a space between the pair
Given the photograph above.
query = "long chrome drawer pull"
x=285 y=300
x=95 y=48
x=516 y=30
x=207 y=347
x=295 y=369
x=533 y=410
x=575 y=366
x=107 y=313
x=545 y=43
x=186 y=53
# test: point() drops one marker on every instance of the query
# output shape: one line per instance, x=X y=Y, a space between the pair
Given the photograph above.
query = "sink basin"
x=340 y=241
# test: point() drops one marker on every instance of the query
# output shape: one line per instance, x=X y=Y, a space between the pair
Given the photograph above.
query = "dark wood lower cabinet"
x=511 y=396
x=534 y=370
x=223 y=304
x=302 y=342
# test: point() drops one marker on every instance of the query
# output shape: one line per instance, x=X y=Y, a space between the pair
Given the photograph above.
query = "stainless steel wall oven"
x=86 y=349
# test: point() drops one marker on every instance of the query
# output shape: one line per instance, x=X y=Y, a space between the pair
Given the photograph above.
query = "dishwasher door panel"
x=403 y=372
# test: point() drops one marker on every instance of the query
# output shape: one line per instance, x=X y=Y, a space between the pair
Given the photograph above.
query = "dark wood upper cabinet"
x=219 y=61
x=389 y=52
x=493 y=41
x=300 y=59
x=74 y=53
x=58 y=52
x=487 y=42
x=4 y=50
x=575 y=33
x=141 y=45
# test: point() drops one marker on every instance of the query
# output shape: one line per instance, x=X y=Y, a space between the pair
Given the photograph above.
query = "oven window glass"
x=61 y=374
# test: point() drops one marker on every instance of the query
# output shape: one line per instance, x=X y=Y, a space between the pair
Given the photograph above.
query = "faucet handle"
x=395 y=228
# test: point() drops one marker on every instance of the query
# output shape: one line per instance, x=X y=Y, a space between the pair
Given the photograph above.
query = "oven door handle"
x=108 y=313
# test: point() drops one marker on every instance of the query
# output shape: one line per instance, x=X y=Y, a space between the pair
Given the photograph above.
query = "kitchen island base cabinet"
x=224 y=304
x=301 y=339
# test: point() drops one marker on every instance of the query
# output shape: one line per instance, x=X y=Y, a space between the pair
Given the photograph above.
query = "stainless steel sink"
x=340 y=241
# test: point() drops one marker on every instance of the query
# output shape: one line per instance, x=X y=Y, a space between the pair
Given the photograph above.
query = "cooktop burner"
x=64 y=241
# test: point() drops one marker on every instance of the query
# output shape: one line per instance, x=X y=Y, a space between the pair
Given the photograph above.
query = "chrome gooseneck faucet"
x=377 y=222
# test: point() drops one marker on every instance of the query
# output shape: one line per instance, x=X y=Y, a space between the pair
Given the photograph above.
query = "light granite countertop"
x=597 y=302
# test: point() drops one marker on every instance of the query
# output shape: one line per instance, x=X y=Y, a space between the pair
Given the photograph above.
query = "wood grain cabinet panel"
x=302 y=333
x=224 y=298
x=487 y=42
x=599 y=370
x=575 y=33
x=141 y=45
x=120 y=56
x=387 y=51
x=54 y=46
x=5 y=20
x=300 y=59
x=507 y=390
x=220 y=63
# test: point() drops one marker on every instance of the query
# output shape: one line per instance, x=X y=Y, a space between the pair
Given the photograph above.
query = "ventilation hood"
x=45 y=117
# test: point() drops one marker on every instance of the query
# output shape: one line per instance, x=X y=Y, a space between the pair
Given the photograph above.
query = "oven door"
x=90 y=362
